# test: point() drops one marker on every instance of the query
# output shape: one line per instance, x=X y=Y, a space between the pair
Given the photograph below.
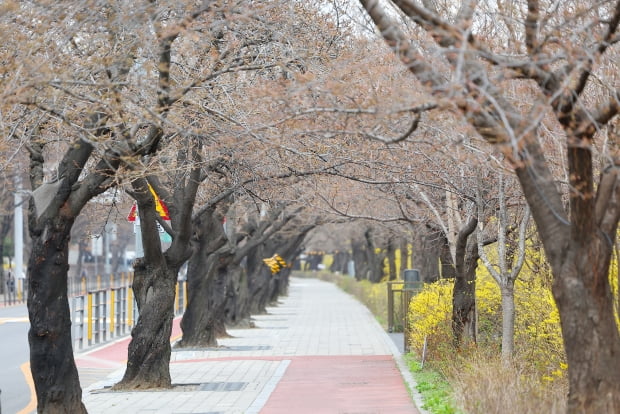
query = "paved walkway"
x=319 y=351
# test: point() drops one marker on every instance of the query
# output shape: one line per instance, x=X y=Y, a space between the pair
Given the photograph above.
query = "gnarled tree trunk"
x=589 y=328
x=155 y=277
x=149 y=351
x=51 y=352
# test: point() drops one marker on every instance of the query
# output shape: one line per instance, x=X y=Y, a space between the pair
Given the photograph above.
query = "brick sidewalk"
x=318 y=351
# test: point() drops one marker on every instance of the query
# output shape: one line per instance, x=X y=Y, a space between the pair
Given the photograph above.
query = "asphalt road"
x=14 y=353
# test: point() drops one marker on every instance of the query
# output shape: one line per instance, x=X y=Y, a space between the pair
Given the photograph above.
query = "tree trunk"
x=464 y=293
x=149 y=350
x=508 y=320
x=464 y=305
x=368 y=265
x=391 y=256
x=431 y=254
x=404 y=257
x=205 y=316
x=340 y=264
x=589 y=329
x=51 y=352
x=155 y=277
x=258 y=279
x=237 y=308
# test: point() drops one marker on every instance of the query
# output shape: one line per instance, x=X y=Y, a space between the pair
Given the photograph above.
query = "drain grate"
x=248 y=348
x=230 y=348
x=208 y=412
x=223 y=386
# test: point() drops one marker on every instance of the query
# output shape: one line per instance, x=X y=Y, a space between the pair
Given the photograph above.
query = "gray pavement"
x=316 y=324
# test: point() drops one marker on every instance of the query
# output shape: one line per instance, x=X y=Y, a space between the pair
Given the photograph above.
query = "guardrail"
x=101 y=315
x=14 y=291
x=399 y=294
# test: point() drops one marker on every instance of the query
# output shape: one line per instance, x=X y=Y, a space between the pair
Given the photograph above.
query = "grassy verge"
x=435 y=390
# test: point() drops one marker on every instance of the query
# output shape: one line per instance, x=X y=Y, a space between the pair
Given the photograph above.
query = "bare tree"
x=509 y=262
x=562 y=50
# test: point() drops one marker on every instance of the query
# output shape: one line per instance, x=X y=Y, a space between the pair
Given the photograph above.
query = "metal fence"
x=101 y=315
x=14 y=291
x=399 y=294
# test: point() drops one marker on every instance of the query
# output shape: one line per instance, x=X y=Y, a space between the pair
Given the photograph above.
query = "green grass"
x=435 y=390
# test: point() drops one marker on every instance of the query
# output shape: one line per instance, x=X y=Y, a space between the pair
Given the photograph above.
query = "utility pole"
x=18 y=227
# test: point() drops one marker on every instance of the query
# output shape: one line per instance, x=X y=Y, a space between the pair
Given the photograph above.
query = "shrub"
x=430 y=313
x=486 y=385
x=538 y=340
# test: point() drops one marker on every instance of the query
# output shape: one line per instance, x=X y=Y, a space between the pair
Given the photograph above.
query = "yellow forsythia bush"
x=430 y=313
x=613 y=280
x=538 y=339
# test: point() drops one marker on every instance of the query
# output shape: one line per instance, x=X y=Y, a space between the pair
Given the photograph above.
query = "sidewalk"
x=319 y=351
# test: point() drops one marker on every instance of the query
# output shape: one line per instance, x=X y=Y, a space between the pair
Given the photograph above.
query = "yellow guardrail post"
x=185 y=298
x=83 y=285
x=129 y=308
x=89 y=313
x=112 y=292
x=98 y=282
x=176 y=298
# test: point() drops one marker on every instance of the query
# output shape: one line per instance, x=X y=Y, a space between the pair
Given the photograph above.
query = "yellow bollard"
x=83 y=285
x=111 y=280
x=98 y=282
